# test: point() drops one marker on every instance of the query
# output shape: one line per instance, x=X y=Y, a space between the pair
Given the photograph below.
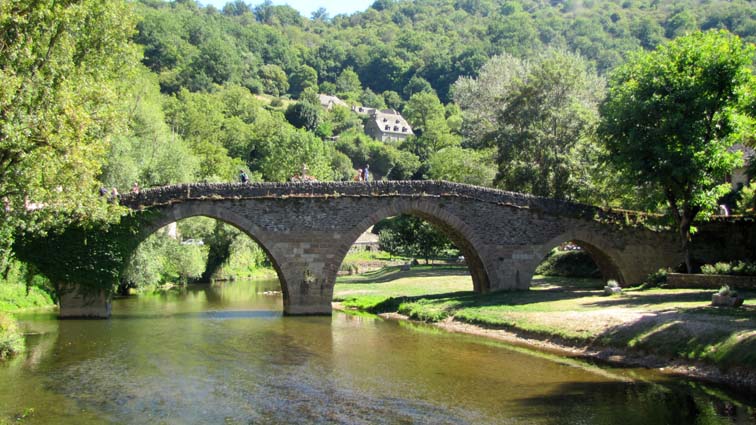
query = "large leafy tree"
x=534 y=112
x=59 y=66
x=670 y=116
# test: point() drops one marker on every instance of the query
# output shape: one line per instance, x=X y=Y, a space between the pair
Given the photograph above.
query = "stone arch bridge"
x=307 y=229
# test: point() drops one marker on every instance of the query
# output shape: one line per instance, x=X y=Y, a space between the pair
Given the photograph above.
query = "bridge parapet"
x=408 y=188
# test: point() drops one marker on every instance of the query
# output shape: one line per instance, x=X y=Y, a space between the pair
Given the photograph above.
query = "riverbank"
x=674 y=330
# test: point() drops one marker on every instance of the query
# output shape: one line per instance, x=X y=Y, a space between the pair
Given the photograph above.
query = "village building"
x=739 y=176
x=387 y=125
x=328 y=101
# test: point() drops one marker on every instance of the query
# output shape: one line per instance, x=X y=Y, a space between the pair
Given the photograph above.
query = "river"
x=226 y=355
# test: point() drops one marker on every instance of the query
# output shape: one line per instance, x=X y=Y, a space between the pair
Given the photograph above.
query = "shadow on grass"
x=688 y=334
x=389 y=274
x=466 y=299
x=632 y=403
x=630 y=300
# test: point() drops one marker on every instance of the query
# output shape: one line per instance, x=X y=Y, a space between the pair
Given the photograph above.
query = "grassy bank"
x=11 y=338
x=671 y=323
x=16 y=296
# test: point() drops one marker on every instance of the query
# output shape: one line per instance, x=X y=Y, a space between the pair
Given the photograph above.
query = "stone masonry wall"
x=307 y=229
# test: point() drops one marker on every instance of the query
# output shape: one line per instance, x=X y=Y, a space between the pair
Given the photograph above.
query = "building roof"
x=391 y=122
x=327 y=101
x=363 y=110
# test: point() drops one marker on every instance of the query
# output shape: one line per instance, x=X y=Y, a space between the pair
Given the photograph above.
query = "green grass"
x=674 y=323
x=14 y=297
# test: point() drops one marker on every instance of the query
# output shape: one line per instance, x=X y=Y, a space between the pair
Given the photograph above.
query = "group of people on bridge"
x=363 y=174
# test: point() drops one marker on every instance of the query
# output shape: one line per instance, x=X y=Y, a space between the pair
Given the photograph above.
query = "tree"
x=411 y=237
x=669 y=120
x=273 y=79
x=534 y=112
x=463 y=166
x=348 y=84
x=304 y=115
x=60 y=63
x=427 y=116
x=303 y=78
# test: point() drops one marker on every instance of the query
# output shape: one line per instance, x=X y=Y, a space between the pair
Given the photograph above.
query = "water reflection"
x=226 y=354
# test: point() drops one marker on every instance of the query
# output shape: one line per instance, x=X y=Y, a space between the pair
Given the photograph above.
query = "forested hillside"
x=215 y=78
x=402 y=46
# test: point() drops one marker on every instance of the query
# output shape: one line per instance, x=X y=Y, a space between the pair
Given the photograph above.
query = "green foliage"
x=735 y=268
x=370 y=99
x=726 y=291
x=91 y=255
x=386 y=161
x=60 y=63
x=569 y=263
x=427 y=116
x=304 y=115
x=274 y=79
x=534 y=112
x=304 y=77
x=11 y=338
x=246 y=258
x=348 y=85
x=463 y=166
x=747 y=201
x=161 y=259
x=656 y=279
x=20 y=289
x=148 y=152
x=411 y=236
x=669 y=119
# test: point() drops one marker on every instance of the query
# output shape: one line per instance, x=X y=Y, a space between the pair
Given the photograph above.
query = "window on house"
x=388 y=127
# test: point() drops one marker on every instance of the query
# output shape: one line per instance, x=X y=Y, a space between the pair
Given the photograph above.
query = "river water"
x=226 y=355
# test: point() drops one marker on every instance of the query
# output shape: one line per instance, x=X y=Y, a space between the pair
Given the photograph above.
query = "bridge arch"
x=601 y=252
x=168 y=214
x=452 y=226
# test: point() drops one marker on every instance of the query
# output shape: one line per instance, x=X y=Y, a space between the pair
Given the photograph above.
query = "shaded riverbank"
x=675 y=331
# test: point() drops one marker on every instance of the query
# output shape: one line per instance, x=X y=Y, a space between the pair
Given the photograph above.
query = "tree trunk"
x=684 y=231
x=684 y=219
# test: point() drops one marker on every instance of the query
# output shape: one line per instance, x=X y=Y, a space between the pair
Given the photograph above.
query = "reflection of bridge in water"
x=308 y=228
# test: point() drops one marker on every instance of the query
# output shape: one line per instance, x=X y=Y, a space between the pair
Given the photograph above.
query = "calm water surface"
x=226 y=355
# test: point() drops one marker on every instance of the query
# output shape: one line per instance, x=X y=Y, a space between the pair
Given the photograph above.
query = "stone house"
x=387 y=125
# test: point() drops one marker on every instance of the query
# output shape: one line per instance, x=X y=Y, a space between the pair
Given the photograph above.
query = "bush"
x=276 y=103
x=11 y=339
x=656 y=279
x=574 y=263
x=735 y=268
x=725 y=291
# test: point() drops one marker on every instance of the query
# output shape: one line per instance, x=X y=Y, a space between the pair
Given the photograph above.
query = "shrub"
x=11 y=339
x=725 y=291
x=736 y=268
x=656 y=278
x=276 y=103
x=575 y=263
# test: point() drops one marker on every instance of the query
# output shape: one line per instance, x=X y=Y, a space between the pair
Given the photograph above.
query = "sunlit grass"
x=672 y=322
